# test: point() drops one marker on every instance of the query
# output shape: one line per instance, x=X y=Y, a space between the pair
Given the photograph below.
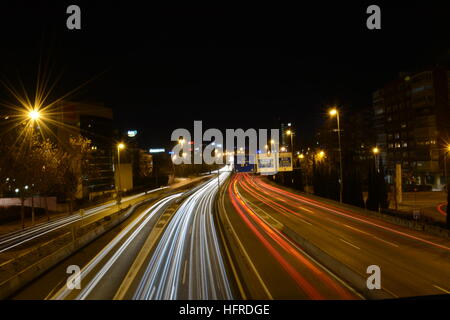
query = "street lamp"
x=321 y=154
x=334 y=112
x=376 y=151
x=34 y=115
x=291 y=134
x=120 y=146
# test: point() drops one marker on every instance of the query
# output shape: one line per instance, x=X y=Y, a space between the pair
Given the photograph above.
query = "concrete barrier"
x=23 y=277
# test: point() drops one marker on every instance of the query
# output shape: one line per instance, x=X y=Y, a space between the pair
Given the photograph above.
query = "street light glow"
x=376 y=150
x=301 y=156
x=34 y=114
x=121 y=146
x=289 y=132
x=333 y=112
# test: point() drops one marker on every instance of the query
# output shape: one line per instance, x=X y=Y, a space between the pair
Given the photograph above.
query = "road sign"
x=266 y=164
x=285 y=161
x=247 y=166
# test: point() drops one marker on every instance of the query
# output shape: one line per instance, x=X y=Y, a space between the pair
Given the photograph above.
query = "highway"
x=22 y=237
x=184 y=261
x=267 y=263
x=412 y=263
x=102 y=276
x=188 y=263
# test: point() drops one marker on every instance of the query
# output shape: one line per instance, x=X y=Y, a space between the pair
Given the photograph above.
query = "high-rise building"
x=93 y=121
x=412 y=123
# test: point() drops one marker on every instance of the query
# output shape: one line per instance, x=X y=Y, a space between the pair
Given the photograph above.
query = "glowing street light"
x=120 y=146
x=34 y=115
x=291 y=134
x=334 y=112
x=301 y=156
x=376 y=151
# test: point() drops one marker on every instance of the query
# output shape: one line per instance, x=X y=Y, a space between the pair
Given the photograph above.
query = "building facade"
x=95 y=122
x=412 y=122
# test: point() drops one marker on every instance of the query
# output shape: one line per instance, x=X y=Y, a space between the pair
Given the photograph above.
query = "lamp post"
x=335 y=112
x=291 y=134
x=33 y=115
x=376 y=151
x=120 y=146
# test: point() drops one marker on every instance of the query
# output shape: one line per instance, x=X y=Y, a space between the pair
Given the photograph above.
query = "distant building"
x=94 y=122
x=412 y=122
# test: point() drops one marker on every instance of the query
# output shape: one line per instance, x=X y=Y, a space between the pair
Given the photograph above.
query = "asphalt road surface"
x=412 y=263
x=188 y=263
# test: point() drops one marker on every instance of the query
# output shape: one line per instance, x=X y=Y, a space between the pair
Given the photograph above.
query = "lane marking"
x=184 y=272
x=388 y=242
x=443 y=290
x=252 y=265
x=350 y=244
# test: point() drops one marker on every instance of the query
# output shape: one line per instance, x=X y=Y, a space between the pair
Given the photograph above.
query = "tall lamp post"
x=34 y=115
x=291 y=134
x=335 y=112
x=376 y=151
x=120 y=146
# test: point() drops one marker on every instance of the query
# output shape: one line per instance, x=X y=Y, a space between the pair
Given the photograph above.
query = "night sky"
x=161 y=68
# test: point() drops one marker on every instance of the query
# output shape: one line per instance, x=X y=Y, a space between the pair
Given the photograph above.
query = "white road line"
x=350 y=244
x=443 y=290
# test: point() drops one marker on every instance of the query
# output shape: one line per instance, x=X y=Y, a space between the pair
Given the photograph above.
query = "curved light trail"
x=17 y=238
x=187 y=263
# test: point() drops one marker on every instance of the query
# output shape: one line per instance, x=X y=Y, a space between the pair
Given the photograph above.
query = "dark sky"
x=231 y=66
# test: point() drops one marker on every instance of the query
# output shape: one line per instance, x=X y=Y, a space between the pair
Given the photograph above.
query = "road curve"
x=188 y=263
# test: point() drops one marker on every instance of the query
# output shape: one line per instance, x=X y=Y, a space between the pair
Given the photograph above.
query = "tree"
x=373 y=192
x=75 y=166
x=353 y=188
x=378 y=189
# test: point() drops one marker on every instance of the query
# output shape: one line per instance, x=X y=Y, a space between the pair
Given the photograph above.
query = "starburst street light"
x=34 y=114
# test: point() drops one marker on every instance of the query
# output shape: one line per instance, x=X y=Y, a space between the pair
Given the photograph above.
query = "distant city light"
x=157 y=150
x=132 y=133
